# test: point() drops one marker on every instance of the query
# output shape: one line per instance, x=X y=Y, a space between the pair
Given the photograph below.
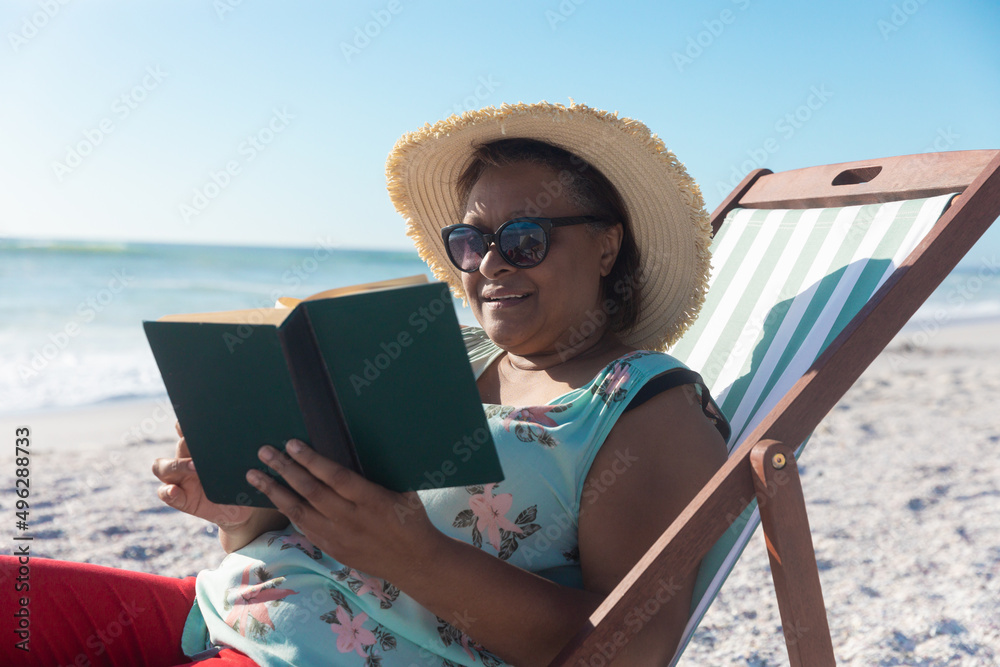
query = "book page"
x=419 y=279
x=272 y=316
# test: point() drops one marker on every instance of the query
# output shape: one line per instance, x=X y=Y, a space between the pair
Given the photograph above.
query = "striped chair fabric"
x=784 y=284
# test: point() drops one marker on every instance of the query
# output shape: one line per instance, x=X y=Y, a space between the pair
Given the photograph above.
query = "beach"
x=902 y=483
x=93 y=493
x=902 y=486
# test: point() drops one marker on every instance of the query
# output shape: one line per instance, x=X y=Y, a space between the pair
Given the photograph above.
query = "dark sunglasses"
x=522 y=242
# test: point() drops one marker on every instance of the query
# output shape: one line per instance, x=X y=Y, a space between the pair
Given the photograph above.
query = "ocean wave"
x=68 y=246
x=74 y=378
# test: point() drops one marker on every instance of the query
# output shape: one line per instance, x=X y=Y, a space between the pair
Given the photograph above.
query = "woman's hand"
x=388 y=535
x=359 y=523
x=182 y=490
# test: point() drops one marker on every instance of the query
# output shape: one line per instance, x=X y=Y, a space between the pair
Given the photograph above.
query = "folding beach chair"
x=814 y=272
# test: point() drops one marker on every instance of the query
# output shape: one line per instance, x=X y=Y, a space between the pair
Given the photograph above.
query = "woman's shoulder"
x=627 y=374
x=642 y=375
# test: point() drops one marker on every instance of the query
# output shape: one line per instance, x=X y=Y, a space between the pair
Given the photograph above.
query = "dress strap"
x=675 y=378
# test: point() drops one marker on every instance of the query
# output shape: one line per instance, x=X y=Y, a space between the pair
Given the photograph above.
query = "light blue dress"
x=282 y=601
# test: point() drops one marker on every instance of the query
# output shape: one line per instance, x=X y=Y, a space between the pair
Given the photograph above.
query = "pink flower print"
x=369 y=585
x=530 y=423
x=297 y=541
x=251 y=602
x=351 y=636
x=533 y=415
x=465 y=645
x=613 y=386
x=617 y=378
x=490 y=511
x=487 y=513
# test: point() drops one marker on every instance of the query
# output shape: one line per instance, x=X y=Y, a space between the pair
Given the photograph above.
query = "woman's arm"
x=523 y=618
x=656 y=459
x=263 y=520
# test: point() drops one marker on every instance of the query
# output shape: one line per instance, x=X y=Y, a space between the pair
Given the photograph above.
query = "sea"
x=72 y=333
x=72 y=336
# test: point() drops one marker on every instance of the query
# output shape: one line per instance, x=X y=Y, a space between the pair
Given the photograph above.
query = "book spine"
x=315 y=393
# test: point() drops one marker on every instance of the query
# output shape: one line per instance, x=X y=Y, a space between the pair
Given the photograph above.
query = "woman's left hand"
x=359 y=523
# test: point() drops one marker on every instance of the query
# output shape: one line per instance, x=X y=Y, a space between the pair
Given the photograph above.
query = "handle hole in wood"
x=856 y=176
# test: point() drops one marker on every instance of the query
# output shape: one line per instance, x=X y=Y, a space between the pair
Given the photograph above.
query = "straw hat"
x=665 y=207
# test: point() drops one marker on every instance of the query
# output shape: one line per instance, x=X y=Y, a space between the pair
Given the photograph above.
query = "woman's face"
x=535 y=311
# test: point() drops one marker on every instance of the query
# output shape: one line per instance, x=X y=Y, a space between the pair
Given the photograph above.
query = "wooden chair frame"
x=764 y=466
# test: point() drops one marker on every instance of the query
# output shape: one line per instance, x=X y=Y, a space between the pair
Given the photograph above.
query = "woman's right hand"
x=182 y=490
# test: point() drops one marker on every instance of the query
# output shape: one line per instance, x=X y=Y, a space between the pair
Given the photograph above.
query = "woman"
x=577 y=239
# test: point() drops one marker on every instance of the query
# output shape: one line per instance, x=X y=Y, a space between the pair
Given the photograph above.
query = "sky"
x=246 y=122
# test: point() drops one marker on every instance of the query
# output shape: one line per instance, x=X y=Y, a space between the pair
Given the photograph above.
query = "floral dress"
x=282 y=601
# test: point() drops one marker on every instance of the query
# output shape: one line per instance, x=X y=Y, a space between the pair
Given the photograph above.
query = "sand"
x=93 y=493
x=902 y=482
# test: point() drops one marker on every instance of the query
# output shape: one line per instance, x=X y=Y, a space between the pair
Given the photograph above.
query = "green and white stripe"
x=784 y=284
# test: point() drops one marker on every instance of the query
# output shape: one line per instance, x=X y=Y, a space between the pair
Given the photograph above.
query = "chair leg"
x=793 y=561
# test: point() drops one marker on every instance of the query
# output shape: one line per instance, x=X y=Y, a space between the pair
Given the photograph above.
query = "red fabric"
x=87 y=615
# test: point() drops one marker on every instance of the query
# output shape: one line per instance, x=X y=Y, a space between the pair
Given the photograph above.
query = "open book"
x=374 y=377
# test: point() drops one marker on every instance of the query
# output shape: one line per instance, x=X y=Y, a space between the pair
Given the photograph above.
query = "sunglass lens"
x=523 y=243
x=467 y=248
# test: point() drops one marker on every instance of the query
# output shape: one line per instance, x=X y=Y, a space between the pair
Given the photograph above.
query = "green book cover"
x=378 y=381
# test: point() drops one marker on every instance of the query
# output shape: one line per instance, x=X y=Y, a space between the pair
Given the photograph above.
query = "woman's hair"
x=585 y=186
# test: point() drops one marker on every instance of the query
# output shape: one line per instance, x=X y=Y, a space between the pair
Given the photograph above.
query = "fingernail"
x=191 y=465
x=255 y=477
x=294 y=446
x=266 y=453
x=170 y=492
